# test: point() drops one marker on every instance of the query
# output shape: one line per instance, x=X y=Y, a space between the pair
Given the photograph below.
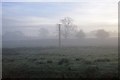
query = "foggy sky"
x=30 y=17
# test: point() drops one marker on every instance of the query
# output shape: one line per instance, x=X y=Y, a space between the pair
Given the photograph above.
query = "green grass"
x=72 y=62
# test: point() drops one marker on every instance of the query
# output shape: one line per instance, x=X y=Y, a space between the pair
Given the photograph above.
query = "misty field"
x=68 y=62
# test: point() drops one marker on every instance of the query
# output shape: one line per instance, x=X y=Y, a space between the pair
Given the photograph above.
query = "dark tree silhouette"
x=43 y=32
x=13 y=35
x=102 y=34
x=80 y=34
x=68 y=27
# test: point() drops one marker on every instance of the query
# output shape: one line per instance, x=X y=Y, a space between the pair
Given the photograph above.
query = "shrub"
x=40 y=62
x=77 y=59
x=69 y=68
x=87 y=62
x=49 y=61
x=42 y=58
x=32 y=59
x=91 y=71
x=12 y=60
x=63 y=61
x=102 y=60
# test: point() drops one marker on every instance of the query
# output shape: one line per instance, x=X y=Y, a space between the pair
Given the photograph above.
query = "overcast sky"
x=88 y=15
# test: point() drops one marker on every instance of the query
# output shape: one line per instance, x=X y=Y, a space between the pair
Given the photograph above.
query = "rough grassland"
x=72 y=62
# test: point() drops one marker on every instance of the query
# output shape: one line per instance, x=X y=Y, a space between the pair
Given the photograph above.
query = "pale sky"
x=88 y=15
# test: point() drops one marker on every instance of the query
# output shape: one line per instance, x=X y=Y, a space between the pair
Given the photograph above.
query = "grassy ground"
x=72 y=62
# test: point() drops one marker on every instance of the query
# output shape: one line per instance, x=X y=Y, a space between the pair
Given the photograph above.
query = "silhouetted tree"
x=43 y=32
x=80 y=34
x=68 y=27
x=13 y=35
x=102 y=34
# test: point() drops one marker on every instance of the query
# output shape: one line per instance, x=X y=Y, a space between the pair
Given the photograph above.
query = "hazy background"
x=28 y=24
x=35 y=23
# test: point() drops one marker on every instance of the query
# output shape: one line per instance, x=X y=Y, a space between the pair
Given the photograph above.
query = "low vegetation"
x=72 y=62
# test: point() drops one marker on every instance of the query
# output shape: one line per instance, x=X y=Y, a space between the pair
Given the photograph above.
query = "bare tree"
x=13 y=35
x=102 y=34
x=80 y=34
x=43 y=32
x=68 y=28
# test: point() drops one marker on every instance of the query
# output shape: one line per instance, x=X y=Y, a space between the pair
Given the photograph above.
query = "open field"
x=71 y=62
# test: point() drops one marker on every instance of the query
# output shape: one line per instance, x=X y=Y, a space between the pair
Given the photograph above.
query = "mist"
x=44 y=39
x=60 y=40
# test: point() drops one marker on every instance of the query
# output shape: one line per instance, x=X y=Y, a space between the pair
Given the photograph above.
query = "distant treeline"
x=65 y=42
